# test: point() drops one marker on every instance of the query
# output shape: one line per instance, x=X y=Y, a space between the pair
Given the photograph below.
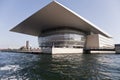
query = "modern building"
x=60 y=30
x=117 y=48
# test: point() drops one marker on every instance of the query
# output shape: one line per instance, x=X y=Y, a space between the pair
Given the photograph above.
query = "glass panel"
x=62 y=40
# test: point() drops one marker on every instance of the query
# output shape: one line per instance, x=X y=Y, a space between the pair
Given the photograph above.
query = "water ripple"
x=20 y=66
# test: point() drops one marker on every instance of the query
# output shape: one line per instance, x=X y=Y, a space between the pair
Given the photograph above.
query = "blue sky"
x=103 y=13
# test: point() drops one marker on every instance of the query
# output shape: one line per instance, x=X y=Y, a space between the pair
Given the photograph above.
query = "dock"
x=23 y=51
x=100 y=50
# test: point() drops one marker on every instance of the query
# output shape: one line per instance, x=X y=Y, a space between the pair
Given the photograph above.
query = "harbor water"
x=21 y=66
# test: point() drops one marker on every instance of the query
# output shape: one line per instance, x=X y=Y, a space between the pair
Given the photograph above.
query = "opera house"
x=61 y=30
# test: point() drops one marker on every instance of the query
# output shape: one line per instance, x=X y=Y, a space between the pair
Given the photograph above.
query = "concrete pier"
x=89 y=51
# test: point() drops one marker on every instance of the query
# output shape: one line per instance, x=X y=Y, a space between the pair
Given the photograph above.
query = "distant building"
x=117 y=48
x=60 y=30
x=27 y=45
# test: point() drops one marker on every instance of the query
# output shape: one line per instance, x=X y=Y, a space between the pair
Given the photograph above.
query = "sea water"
x=22 y=66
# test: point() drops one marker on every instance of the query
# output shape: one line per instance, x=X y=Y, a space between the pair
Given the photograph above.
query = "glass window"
x=62 y=40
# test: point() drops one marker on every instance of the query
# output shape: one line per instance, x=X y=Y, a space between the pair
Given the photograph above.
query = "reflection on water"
x=21 y=66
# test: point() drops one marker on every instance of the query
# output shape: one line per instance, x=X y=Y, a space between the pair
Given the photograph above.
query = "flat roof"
x=55 y=15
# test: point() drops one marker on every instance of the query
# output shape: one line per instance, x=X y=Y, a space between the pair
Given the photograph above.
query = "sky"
x=103 y=13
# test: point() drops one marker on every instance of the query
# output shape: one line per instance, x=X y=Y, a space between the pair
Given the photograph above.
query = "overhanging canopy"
x=55 y=15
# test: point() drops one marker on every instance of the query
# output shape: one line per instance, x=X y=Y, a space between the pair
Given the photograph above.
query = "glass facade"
x=62 y=40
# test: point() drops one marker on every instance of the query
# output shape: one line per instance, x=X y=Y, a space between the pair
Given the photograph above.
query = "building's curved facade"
x=62 y=38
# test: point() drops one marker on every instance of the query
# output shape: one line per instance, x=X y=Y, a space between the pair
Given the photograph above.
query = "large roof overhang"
x=55 y=15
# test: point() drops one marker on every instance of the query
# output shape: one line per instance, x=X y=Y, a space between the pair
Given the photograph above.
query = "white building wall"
x=66 y=50
x=105 y=42
x=99 y=41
